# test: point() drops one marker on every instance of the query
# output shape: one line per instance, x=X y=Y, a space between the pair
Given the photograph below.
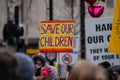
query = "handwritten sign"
x=57 y=36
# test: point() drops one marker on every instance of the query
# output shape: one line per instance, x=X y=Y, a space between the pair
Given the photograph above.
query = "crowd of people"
x=20 y=66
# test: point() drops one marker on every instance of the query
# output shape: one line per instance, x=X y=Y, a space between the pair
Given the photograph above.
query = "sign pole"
x=51 y=9
x=82 y=28
x=59 y=71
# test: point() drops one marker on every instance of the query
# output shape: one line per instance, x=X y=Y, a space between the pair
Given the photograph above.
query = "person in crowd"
x=69 y=68
x=8 y=66
x=105 y=64
x=26 y=67
x=114 y=72
x=101 y=73
x=82 y=70
x=39 y=63
x=49 y=73
x=3 y=47
x=12 y=45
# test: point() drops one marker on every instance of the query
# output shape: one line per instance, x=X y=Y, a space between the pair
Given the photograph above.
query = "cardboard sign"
x=57 y=36
x=98 y=32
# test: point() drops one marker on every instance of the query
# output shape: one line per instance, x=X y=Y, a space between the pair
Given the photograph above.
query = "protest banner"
x=57 y=36
x=98 y=32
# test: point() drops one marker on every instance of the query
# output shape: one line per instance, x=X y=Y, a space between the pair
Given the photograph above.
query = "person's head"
x=82 y=70
x=25 y=67
x=8 y=66
x=50 y=73
x=114 y=72
x=101 y=73
x=39 y=59
x=105 y=64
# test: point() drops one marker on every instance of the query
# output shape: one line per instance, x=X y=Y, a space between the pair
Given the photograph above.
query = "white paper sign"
x=98 y=32
x=68 y=58
x=76 y=43
x=63 y=71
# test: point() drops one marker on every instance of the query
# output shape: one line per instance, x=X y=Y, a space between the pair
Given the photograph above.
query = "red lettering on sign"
x=43 y=30
x=58 y=41
x=61 y=40
x=49 y=28
x=56 y=28
x=41 y=44
x=70 y=28
x=70 y=40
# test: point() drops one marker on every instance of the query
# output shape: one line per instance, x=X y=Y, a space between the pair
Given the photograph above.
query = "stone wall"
x=3 y=16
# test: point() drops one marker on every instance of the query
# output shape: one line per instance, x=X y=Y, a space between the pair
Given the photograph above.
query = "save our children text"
x=55 y=35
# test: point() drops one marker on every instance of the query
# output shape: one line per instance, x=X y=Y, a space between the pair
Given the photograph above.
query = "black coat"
x=38 y=71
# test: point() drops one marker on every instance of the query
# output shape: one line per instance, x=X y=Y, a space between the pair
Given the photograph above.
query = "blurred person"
x=114 y=72
x=8 y=66
x=101 y=73
x=39 y=78
x=69 y=68
x=49 y=73
x=3 y=46
x=26 y=67
x=82 y=70
x=39 y=63
x=105 y=64
x=12 y=45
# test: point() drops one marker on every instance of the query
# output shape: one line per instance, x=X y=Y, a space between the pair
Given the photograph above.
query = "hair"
x=40 y=57
x=105 y=64
x=100 y=69
x=114 y=72
x=69 y=68
x=82 y=70
x=8 y=66
x=112 y=75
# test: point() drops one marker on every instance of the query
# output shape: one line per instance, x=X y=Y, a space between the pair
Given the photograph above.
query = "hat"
x=25 y=67
x=52 y=72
